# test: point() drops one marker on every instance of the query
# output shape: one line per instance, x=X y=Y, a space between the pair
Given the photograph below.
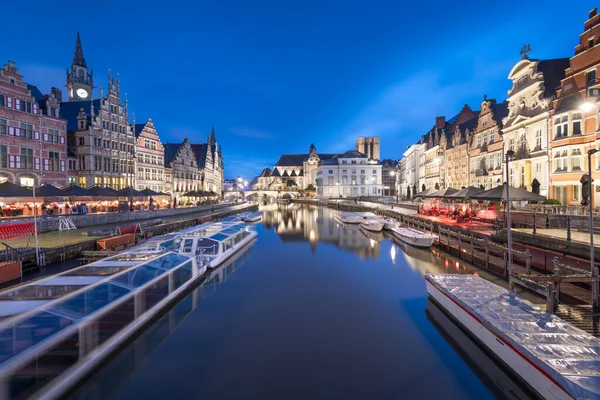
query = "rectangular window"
x=3 y=127
x=538 y=139
x=81 y=141
x=3 y=156
x=561 y=126
x=9 y=102
x=576 y=192
x=54 y=164
x=590 y=76
x=485 y=138
x=492 y=135
x=26 y=158
x=478 y=140
x=330 y=180
x=28 y=107
x=1 y=100
x=498 y=160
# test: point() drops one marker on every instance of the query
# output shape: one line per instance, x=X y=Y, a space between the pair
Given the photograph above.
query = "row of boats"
x=88 y=312
x=375 y=223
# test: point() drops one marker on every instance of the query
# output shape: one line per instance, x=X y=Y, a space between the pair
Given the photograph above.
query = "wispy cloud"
x=43 y=76
x=408 y=108
x=252 y=133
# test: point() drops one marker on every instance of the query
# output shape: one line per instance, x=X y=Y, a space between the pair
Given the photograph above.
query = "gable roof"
x=554 y=72
x=265 y=173
x=69 y=110
x=276 y=173
x=137 y=129
x=352 y=154
x=200 y=152
x=170 y=152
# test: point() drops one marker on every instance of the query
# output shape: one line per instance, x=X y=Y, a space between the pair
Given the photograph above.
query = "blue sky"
x=276 y=76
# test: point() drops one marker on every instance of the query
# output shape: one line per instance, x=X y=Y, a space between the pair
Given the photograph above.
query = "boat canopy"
x=34 y=312
x=567 y=354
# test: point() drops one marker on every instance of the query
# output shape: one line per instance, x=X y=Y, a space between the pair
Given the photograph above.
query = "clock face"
x=82 y=93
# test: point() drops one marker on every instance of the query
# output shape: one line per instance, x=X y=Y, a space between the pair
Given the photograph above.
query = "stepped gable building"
x=33 y=148
x=573 y=130
x=455 y=163
x=486 y=146
x=99 y=133
x=181 y=169
x=299 y=168
x=527 y=125
x=209 y=158
x=369 y=146
x=149 y=158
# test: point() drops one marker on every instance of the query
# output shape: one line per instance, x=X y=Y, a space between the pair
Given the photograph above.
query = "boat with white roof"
x=414 y=237
x=389 y=223
x=56 y=330
x=550 y=356
x=371 y=224
x=252 y=217
x=348 y=217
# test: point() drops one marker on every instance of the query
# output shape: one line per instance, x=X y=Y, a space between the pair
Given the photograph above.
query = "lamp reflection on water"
x=393 y=254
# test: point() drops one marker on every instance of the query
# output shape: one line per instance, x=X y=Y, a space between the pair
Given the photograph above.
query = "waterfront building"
x=526 y=128
x=369 y=146
x=388 y=177
x=149 y=158
x=351 y=174
x=265 y=180
x=574 y=131
x=401 y=179
x=98 y=130
x=181 y=166
x=456 y=147
x=421 y=176
x=297 y=169
x=410 y=184
x=209 y=159
x=486 y=147
x=33 y=148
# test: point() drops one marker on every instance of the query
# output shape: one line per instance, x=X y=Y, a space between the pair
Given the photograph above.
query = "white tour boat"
x=252 y=217
x=347 y=217
x=372 y=225
x=212 y=244
x=89 y=312
x=414 y=237
x=549 y=355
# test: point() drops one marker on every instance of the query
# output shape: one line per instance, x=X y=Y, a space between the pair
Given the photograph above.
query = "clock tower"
x=79 y=79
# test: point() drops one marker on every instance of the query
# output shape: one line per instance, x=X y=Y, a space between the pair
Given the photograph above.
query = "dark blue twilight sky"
x=276 y=76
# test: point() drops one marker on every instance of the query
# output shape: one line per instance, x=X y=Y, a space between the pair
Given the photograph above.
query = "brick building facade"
x=33 y=147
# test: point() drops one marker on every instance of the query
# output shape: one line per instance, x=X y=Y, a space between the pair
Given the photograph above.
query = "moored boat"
x=414 y=237
x=389 y=223
x=550 y=356
x=252 y=217
x=371 y=225
x=89 y=312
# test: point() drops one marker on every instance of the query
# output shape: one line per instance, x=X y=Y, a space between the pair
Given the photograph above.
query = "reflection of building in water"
x=314 y=224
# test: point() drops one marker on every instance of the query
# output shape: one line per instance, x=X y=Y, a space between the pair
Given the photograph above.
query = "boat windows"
x=155 y=293
x=97 y=271
x=188 y=244
x=90 y=300
x=207 y=247
x=138 y=277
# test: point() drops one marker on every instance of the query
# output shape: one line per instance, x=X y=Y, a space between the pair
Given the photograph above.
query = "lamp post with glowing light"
x=511 y=285
x=586 y=107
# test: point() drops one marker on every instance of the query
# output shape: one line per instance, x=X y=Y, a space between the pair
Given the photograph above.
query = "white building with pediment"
x=526 y=128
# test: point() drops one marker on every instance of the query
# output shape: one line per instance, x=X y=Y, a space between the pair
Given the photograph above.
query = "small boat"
x=284 y=201
x=371 y=225
x=414 y=237
x=252 y=217
x=348 y=217
x=389 y=223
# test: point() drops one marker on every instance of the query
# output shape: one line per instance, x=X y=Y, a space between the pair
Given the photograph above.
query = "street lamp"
x=592 y=265
x=511 y=285
x=586 y=107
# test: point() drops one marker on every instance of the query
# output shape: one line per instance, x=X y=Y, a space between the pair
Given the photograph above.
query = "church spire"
x=78 y=58
x=213 y=137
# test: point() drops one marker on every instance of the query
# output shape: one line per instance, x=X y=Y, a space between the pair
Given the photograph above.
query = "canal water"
x=311 y=310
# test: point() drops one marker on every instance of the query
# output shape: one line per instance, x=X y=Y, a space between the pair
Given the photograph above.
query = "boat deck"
x=564 y=353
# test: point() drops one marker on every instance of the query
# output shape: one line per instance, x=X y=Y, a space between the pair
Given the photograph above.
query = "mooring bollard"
x=534 y=224
x=568 y=228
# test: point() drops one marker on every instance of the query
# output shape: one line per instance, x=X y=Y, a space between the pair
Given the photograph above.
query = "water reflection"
x=107 y=382
x=293 y=222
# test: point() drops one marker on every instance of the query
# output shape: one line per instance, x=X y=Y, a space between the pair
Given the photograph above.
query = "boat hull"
x=372 y=226
x=521 y=366
x=423 y=242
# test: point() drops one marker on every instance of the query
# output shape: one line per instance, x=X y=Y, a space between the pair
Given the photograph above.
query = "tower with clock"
x=80 y=80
